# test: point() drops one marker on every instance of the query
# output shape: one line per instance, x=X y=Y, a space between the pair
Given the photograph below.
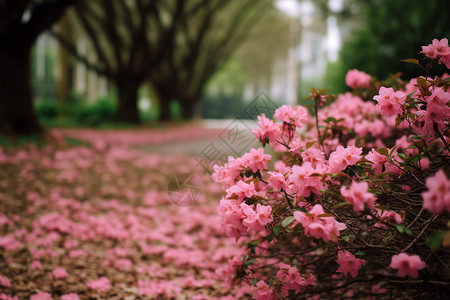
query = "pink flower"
x=357 y=79
x=437 y=198
x=5 y=281
x=6 y=297
x=256 y=220
x=313 y=155
x=386 y=216
x=102 y=284
x=437 y=111
x=35 y=264
x=319 y=225
x=291 y=279
x=390 y=102
x=407 y=264
x=358 y=196
x=436 y=48
x=123 y=264
x=60 y=273
x=302 y=183
x=256 y=159
x=267 y=129
x=243 y=190
x=344 y=157
x=262 y=291
x=348 y=263
x=71 y=296
x=377 y=159
x=276 y=181
x=298 y=116
x=41 y=296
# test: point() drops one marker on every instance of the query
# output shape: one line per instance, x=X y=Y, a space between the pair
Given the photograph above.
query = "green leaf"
x=343 y=204
x=408 y=231
x=287 y=221
x=269 y=238
x=411 y=61
x=254 y=281
x=401 y=228
x=348 y=238
x=383 y=151
x=249 y=262
x=325 y=215
x=360 y=253
x=309 y=144
x=386 y=239
x=435 y=240
x=276 y=231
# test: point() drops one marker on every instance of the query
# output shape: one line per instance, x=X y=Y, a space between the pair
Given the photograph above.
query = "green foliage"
x=395 y=30
x=221 y=106
x=70 y=114
x=21 y=140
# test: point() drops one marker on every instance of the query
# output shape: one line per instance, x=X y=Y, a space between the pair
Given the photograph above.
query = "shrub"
x=356 y=203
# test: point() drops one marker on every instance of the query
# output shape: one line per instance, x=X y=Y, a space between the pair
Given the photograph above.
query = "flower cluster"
x=358 y=190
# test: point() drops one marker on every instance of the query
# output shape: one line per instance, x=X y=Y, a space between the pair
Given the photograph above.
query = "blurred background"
x=96 y=62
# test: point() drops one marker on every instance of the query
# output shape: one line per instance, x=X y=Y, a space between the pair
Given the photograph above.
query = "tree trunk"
x=164 y=110
x=188 y=107
x=64 y=78
x=127 y=110
x=17 y=115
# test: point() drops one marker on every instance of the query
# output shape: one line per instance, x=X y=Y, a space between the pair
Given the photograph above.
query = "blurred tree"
x=205 y=41
x=177 y=45
x=395 y=30
x=21 y=21
x=129 y=38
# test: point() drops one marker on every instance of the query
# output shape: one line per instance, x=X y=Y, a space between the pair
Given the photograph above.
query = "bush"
x=356 y=204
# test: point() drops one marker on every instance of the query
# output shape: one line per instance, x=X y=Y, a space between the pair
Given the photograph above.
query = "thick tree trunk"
x=17 y=115
x=164 y=110
x=188 y=107
x=127 y=110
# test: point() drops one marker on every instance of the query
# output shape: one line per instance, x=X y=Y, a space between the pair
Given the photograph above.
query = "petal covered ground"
x=98 y=221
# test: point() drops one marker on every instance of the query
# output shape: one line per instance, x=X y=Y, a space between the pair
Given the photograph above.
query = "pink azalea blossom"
x=348 y=263
x=267 y=129
x=262 y=291
x=41 y=296
x=437 y=198
x=344 y=157
x=407 y=264
x=298 y=116
x=319 y=226
x=5 y=281
x=359 y=196
x=71 y=296
x=6 y=297
x=276 y=181
x=357 y=79
x=102 y=284
x=256 y=220
x=291 y=279
x=256 y=160
x=123 y=264
x=35 y=264
x=243 y=190
x=377 y=159
x=302 y=183
x=60 y=273
x=386 y=216
x=390 y=102
x=437 y=111
x=437 y=48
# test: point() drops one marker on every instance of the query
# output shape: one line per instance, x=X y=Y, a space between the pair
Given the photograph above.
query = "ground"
x=110 y=218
